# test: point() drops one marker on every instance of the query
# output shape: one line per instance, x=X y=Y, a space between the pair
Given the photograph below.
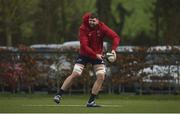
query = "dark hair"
x=94 y=15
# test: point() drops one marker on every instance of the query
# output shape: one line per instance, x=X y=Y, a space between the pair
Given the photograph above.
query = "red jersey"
x=91 y=39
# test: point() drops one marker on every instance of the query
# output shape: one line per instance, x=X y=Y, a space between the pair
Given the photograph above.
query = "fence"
x=138 y=72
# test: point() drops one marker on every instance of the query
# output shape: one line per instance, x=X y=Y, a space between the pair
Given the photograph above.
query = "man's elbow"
x=117 y=39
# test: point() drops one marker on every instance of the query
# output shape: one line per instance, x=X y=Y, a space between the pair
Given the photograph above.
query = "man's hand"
x=114 y=52
x=99 y=56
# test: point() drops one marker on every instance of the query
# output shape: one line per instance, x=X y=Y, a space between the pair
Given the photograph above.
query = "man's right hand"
x=99 y=56
x=114 y=52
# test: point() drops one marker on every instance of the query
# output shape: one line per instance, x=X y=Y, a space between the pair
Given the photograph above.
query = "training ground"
x=37 y=103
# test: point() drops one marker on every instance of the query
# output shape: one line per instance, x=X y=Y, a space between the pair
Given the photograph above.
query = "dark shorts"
x=85 y=60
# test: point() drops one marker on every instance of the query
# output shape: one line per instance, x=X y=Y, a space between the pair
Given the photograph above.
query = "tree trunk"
x=63 y=19
x=29 y=89
x=157 y=22
x=170 y=16
x=84 y=88
x=2 y=89
x=8 y=32
x=104 y=10
x=109 y=88
x=119 y=88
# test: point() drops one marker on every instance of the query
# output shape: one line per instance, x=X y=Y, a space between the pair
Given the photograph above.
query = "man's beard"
x=92 y=25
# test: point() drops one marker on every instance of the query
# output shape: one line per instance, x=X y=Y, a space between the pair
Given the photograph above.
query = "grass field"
x=76 y=103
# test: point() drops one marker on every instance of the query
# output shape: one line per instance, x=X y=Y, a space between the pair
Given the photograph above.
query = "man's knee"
x=75 y=75
x=100 y=77
x=99 y=70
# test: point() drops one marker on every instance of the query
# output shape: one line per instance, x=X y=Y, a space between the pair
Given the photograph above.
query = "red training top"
x=91 y=39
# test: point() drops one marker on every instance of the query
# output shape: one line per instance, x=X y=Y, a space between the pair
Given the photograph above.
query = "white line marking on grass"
x=67 y=105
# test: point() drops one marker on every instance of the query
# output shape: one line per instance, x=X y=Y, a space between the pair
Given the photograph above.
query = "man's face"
x=93 y=22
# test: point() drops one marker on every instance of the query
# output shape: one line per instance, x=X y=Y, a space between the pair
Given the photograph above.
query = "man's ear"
x=98 y=21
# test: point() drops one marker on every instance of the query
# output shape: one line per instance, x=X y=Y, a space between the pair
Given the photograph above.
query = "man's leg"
x=68 y=82
x=78 y=68
x=100 y=74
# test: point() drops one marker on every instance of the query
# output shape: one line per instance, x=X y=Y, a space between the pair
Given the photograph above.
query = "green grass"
x=28 y=103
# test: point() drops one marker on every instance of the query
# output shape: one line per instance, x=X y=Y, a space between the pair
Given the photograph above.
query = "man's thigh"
x=78 y=68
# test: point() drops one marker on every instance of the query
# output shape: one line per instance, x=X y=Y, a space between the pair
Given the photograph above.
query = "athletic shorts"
x=85 y=60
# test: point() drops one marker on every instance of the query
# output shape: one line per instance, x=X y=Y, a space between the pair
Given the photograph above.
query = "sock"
x=60 y=92
x=92 y=98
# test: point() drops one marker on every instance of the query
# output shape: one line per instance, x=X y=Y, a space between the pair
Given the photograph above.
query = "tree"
x=167 y=18
x=8 y=11
x=15 y=19
x=104 y=10
x=122 y=15
x=46 y=21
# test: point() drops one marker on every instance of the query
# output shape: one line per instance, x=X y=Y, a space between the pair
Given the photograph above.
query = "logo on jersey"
x=89 y=34
x=102 y=62
x=98 y=33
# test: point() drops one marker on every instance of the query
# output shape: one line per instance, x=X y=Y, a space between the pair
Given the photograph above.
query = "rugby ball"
x=110 y=57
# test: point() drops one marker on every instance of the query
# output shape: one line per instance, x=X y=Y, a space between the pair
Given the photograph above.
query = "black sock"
x=60 y=92
x=92 y=98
